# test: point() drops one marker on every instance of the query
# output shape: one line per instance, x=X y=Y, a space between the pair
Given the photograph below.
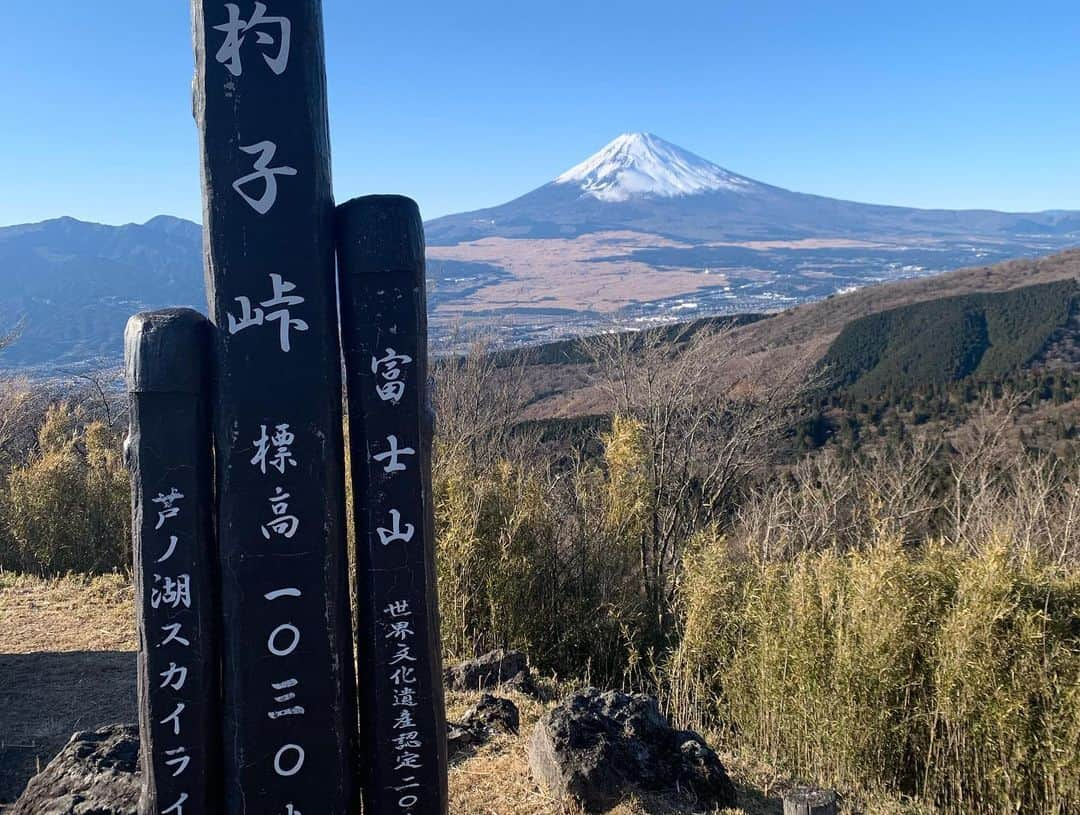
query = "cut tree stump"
x=809 y=801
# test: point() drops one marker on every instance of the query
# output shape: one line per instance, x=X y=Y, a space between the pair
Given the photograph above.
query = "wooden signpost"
x=384 y=335
x=168 y=456
x=287 y=660
x=248 y=698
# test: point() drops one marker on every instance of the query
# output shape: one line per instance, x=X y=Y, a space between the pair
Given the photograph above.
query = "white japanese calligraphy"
x=389 y=368
x=169 y=552
x=174 y=635
x=283 y=524
x=182 y=759
x=265 y=151
x=280 y=443
x=392 y=455
x=174 y=717
x=395 y=533
x=174 y=676
x=289 y=592
x=168 y=510
x=236 y=30
x=288 y=696
x=174 y=592
x=275 y=648
x=298 y=762
x=283 y=316
x=178 y=807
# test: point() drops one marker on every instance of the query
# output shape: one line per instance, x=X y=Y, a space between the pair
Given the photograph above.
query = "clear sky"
x=470 y=103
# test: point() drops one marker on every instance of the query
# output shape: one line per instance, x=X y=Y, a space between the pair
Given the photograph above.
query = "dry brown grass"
x=67 y=663
x=75 y=613
x=54 y=629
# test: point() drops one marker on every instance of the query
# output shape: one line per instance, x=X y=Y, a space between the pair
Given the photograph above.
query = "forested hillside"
x=982 y=335
x=561 y=379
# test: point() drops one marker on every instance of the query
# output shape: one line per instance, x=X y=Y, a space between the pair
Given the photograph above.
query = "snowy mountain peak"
x=641 y=165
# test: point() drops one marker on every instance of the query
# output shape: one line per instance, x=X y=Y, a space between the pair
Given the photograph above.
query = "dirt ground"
x=44 y=698
x=67 y=663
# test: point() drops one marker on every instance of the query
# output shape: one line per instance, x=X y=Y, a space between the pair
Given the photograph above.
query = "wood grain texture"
x=384 y=334
x=289 y=703
x=809 y=801
x=169 y=459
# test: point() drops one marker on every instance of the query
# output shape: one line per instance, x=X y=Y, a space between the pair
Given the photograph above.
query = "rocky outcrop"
x=494 y=713
x=462 y=740
x=499 y=667
x=596 y=747
x=97 y=773
x=490 y=715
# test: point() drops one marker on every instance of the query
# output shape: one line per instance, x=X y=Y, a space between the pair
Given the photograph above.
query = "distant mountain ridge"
x=70 y=285
x=982 y=323
x=642 y=182
x=643 y=232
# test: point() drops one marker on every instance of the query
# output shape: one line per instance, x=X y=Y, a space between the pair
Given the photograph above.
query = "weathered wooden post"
x=168 y=455
x=384 y=335
x=809 y=801
x=289 y=715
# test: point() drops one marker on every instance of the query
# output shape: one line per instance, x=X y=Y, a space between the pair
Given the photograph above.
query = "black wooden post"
x=289 y=713
x=168 y=454
x=384 y=334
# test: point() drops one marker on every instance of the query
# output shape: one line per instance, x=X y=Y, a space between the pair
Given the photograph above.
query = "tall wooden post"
x=168 y=455
x=289 y=706
x=384 y=334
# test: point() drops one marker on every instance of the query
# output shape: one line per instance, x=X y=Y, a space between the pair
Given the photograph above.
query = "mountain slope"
x=645 y=231
x=983 y=335
x=70 y=286
x=641 y=233
x=1019 y=303
x=641 y=182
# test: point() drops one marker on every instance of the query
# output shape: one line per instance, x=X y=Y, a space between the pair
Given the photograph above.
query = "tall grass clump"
x=949 y=675
x=1006 y=676
x=66 y=509
x=529 y=555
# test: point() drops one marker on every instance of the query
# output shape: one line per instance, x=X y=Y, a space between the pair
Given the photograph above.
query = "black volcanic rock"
x=97 y=773
x=495 y=668
x=595 y=748
x=490 y=715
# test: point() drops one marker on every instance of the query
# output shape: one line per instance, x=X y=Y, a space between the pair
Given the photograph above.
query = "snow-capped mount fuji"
x=641 y=165
x=641 y=182
x=645 y=230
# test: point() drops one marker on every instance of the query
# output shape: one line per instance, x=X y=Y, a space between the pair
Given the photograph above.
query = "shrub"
x=952 y=676
x=68 y=508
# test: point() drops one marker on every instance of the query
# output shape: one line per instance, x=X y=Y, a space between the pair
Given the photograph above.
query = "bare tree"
x=8 y=339
x=100 y=393
x=986 y=451
x=478 y=399
x=709 y=428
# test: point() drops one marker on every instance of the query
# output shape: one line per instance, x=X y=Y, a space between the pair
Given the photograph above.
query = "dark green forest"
x=983 y=336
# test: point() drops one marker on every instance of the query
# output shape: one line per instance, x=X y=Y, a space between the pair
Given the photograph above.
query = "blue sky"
x=470 y=103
